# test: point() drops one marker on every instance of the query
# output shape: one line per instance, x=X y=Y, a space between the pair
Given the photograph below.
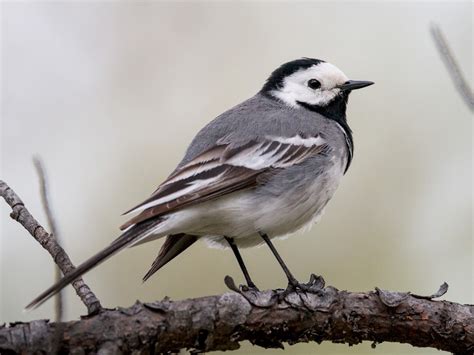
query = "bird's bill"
x=354 y=84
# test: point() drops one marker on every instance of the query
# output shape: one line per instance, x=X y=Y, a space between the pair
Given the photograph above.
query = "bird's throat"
x=336 y=111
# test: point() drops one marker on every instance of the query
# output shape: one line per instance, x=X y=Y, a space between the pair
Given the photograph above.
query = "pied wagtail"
x=261 y=170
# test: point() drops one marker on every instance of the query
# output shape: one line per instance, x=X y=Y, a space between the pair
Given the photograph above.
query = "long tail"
x=136 y=232
x=173 y=246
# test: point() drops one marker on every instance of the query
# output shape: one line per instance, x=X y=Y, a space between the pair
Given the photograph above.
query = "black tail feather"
x=172 y=247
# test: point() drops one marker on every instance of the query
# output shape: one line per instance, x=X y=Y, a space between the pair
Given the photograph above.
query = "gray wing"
x=224 y=169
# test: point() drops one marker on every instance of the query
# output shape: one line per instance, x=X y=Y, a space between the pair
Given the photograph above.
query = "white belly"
x=243 y=214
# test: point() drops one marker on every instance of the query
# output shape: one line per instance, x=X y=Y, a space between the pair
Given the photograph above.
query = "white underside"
x=243 y=214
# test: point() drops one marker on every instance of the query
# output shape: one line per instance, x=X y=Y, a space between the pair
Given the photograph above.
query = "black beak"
x=354 y=84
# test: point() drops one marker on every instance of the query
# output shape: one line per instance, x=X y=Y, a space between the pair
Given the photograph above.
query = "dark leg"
x=241 y=262
x=291 y=279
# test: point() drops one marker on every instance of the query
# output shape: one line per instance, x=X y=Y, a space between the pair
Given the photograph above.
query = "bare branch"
x=53 y=228
x=23 y=216
x=452 y=66
x=266 y=318
x=221 y=322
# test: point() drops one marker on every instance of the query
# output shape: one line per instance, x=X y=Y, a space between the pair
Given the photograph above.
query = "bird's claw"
x=315 y=284
x=247 y=288
x=252 y=294
x=259 y=298
x=229 y=281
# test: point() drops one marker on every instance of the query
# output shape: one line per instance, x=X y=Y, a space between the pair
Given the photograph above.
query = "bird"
x=263 y=169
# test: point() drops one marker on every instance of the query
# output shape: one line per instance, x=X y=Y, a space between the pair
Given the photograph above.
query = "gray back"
x=262 y=116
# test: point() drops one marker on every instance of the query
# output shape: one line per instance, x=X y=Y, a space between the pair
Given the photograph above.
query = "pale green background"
x=110 y=94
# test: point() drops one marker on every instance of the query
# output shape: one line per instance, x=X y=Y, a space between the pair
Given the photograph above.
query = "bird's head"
x=311 y=83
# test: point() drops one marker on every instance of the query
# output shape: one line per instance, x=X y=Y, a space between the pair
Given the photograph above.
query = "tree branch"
x=266 y=318
x=221 y=322
x=452 y=66
x=23 y=216
x=58 y=306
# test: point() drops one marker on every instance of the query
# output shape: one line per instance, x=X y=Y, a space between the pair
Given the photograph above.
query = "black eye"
x=314 y=84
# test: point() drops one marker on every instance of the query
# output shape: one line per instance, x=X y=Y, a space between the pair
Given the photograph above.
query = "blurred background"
x=109 y=95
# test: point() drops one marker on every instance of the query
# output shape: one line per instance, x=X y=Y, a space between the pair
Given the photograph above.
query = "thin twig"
x=452 y=66
x=53 y=227
x=23 y=216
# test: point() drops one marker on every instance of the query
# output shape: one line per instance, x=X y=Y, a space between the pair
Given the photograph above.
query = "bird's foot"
x=229 y=281
x=250 y=287
x=270 y=297
x=315 y=285
x=252 y=294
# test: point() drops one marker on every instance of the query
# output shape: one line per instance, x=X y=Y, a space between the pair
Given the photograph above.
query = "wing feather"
x=224 y=169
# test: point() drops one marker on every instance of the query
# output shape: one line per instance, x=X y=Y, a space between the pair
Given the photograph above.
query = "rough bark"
x=221 y=322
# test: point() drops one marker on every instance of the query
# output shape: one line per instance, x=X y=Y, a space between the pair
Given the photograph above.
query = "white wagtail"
x=263 y=169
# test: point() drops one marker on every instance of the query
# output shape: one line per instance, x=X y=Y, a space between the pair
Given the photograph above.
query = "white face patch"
x=295 y=87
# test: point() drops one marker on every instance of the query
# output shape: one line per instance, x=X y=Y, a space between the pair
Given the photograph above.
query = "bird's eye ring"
x=314 y=84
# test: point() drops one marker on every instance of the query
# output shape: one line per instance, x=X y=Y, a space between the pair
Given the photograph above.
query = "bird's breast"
x=302 y=202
